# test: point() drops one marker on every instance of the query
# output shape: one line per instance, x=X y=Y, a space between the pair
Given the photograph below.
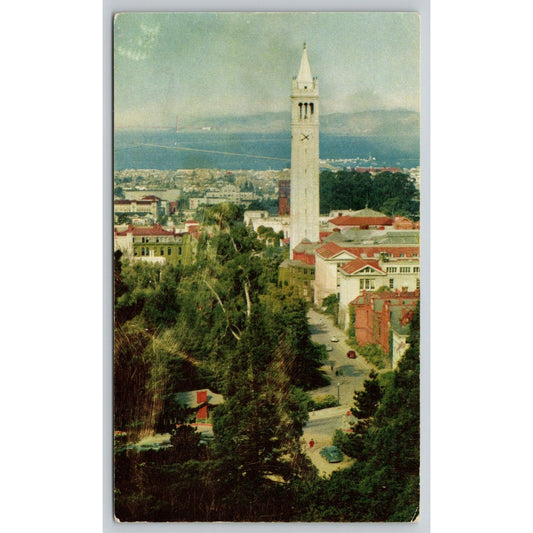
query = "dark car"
x=331 y=454
x=351 y=355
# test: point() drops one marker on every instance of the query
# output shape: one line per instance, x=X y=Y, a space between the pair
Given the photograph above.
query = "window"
x=405 y=270
x=402 y=255
x=179 y=250
x=367 y=284
x=418 y=283
x=169 y=251
x=416 y=269
x=162 y=251
x=392 y=270
x=391 y=283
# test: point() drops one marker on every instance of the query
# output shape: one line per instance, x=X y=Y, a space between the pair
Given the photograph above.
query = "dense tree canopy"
x=224 y=324
x=390 y=193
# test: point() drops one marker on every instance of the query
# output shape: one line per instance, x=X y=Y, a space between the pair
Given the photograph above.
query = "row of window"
x=367 y=284
x=403 y=270
x=391 y=283
x=157 y=239
x=389 y=255
x=306 y=109
x=146 y=251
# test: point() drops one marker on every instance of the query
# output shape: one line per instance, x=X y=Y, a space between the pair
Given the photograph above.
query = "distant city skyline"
x=196 y=65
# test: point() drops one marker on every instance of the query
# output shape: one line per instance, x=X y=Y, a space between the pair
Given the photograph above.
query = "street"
x=347 y=375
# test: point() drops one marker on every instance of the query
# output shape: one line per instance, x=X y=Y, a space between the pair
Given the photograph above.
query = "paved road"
x=347 y=376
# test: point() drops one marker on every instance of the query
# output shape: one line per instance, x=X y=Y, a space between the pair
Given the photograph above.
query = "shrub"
x=375 y=355
x=322 y=402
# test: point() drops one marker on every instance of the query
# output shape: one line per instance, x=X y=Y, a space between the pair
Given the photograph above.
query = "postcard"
x=267 y=267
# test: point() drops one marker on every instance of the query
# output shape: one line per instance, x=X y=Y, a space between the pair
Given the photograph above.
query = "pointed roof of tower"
x=304 y=74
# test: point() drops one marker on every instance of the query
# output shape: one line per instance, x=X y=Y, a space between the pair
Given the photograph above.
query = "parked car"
x=351 y=355
x=331 y=454
x=334 y=339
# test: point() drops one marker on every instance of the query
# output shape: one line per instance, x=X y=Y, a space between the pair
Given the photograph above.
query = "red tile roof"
x=347 y=220
x=140 y=202
x=156 y=229
x=331 y=249
x=358 y=264
x=396 y=297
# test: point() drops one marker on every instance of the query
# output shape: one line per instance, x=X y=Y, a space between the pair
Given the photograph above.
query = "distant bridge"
x=183 y=148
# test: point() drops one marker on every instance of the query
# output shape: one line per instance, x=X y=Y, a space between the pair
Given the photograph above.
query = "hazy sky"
x=201 y=64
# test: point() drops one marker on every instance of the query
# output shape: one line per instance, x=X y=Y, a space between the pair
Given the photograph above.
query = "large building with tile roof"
x=156 y=244
x=362 y=219
x=393 y=257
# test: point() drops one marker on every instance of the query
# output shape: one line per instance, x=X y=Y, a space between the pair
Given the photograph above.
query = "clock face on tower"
x=305 y=136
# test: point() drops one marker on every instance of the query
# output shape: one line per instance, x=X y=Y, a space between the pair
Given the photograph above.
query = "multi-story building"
x=228 y=193
x=369 y=275
x=299 y=275
x=383 y=318
x=256 y=219
x=138 y=207
x=391 y=249
x=284 y=196
x=362 y=219
x=156 y=244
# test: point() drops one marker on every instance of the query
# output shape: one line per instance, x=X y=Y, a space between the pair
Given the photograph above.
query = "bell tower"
x=304 y=156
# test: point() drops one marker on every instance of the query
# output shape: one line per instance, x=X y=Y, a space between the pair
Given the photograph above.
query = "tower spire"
x=304 y=74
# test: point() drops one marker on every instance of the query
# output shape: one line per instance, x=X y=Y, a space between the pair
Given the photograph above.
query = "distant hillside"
x=394 y=123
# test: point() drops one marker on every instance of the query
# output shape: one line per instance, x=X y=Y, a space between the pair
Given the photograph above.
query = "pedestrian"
x=311 y=444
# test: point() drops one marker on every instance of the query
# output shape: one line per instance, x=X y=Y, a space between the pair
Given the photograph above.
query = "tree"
x=224 y=215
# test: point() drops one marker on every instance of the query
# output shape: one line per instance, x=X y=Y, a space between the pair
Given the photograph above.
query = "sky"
x=196 y=65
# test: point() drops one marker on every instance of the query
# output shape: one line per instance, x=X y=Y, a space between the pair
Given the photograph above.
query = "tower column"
x=305 y=168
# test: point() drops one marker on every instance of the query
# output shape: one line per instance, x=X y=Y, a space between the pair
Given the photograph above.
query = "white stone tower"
x=304 y=156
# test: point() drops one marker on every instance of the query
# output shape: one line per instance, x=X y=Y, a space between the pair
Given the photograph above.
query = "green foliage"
x=270 y=205
x=374 y=354
x=383 y=485
x=224 y=324
x=390 y=193
x=367 y=400
x=322 y=402
x=331 y=305
x=286 y=316
x=224 y=215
